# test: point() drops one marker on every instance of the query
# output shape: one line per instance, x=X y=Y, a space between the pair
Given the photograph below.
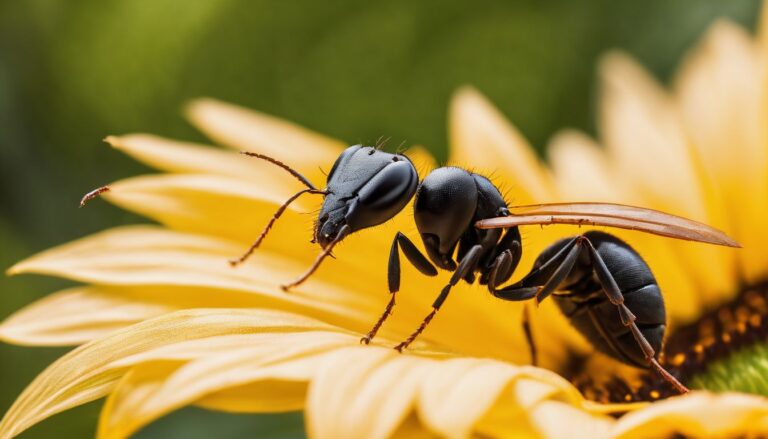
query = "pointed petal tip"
x=192 y=108
x=15 y=269
x=566 y=139
x=568 y=135
x=4 y=336
x=612 y=59
x=619 y=68
x=722 y=25
x=113 y=141
x=466 y=90
x=466 y=95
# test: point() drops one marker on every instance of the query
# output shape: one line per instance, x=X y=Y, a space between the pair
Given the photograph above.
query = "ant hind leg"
x=611 y=289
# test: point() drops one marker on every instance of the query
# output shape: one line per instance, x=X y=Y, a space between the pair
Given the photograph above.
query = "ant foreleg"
x=343 y=232
x=611 y=289
x=418 y=260
x=468 y=264
x=277 y=214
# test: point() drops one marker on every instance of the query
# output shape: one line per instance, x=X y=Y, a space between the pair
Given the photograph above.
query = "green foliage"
x=195 y=423
x=744 y=371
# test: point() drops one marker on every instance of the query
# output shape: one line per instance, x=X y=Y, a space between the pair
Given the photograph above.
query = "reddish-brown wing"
x=610 y=215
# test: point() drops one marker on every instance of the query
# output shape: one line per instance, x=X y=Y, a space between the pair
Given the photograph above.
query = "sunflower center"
x=726 y=349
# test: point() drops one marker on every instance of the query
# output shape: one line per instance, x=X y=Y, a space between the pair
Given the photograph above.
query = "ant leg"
x=278 y=213
x=615 y=296
x=562 y=263
x=562 y=271
x=343 y=232
x=543 y=280
x=467 y=264
x=400 y=243
x=529 y=335
x=505 y=264
x=502 y=268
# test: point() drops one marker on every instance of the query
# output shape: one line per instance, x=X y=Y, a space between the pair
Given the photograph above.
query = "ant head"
x=365 y=188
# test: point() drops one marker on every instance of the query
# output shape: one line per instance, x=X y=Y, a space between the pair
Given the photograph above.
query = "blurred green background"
x=72 y=72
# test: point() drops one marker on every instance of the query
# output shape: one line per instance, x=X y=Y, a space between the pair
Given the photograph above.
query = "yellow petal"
x=221 y=206
x=583 y=172
x=375 y=387
x=183 y=157
x=148 y=255
x=555 y=420
x=371 y=394
x=267 y=374
x=76 y=315
x=650 y=151
x=422 y=160
x=232 y=208
x=245 y=129
x=698 y=415
x=354 y=391
x=81 y=314
x=143 y=256
x=644 y=138
x=483 y=140
x=721 y=89
x=581 y=169
x=446 y=390
x=89 y=372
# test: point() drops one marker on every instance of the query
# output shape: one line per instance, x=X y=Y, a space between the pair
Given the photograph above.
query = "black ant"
x=600 y=283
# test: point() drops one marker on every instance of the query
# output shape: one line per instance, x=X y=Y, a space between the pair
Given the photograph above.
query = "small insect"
x=599 y=282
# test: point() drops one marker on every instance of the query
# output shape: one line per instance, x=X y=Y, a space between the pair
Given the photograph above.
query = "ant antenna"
x=381 y=142
x=93 y=194
x=400 y=148
x=292 y=171
x=343 y=232
x=311 y=189
x=263 y=234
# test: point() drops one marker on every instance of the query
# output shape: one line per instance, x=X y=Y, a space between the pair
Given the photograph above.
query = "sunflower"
x=162 y=321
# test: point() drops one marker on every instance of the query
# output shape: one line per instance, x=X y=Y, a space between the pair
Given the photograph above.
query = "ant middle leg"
x=468 y=264
x=502 y=269
x=541 y=281
x=418 y=260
